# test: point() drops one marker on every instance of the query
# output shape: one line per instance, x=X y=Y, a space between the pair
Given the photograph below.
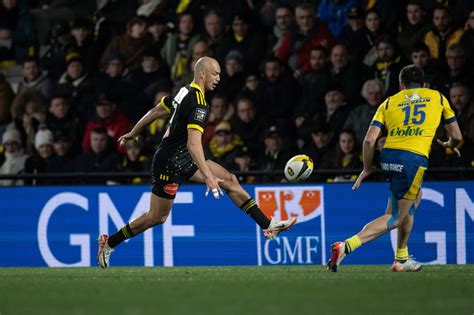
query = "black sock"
x=347 y=249
x=123 y=234
x=251 y=208
x=402 y=260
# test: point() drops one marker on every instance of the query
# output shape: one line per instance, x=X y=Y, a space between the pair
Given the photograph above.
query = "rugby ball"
x=298 y=168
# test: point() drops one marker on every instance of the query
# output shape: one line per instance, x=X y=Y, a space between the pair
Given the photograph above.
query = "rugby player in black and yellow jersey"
x=180 y=157
x=411 y=118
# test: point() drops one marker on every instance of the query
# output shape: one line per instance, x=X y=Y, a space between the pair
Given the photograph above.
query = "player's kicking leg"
x=243 y=200
x=397 y=210
x=159 y=210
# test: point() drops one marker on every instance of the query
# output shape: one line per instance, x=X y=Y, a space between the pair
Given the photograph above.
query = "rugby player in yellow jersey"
x=411 y=118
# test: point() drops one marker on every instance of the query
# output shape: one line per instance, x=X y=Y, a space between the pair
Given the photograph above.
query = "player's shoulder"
x=190 y=95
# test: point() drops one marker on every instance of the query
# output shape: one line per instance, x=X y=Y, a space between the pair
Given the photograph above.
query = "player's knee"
x=156 y=219
x=230 y=182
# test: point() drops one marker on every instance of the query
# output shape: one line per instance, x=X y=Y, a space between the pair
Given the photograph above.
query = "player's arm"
x=158 y=111
x=454 y=137
x=195 y=125
x=451 y=126
x=197 y=153
x=368 y=149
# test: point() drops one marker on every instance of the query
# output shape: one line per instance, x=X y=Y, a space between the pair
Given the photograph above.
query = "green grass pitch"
x=292 y=290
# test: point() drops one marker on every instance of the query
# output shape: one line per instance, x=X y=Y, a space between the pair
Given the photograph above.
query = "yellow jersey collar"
x=194 y=85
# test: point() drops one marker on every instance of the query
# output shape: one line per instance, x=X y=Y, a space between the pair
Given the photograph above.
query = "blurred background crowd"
x=297 y=77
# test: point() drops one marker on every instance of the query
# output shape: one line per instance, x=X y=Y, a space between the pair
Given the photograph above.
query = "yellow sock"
x=353 y=243
x=401 y=254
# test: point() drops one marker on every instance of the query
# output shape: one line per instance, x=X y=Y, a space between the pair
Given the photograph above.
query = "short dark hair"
x=412 y=75
x=100 y=130
x=420 y=46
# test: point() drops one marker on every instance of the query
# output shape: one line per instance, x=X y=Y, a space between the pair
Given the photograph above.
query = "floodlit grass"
x=289 y=290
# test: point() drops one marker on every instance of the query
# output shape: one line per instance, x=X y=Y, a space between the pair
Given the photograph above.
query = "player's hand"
x=127 y=137
x=363 y=175
x=446 y=145
x=212 y=184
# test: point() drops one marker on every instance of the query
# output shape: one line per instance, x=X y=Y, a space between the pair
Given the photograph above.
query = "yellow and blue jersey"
x=411 y=118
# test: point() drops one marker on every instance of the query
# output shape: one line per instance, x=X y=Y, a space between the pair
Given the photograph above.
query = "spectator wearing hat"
x=334 y=14
x=246 y=40
x=129 y=45
x=359 y=118
x=314 y=86
x=355 y=22
x=319 y=143
x=177 y=49
x=443 y=34
x=232 y=78
x=297 y=43
x=54 y=59
x=273 y=156
x=387 y=66
x=214 y=35
x=100 y=156
x=415 y=28
x=15 y=159
x=109 y=118
x=37 y=163
x=284 y=21
x=60 y=119
x=75 y=83
x=223 y=146
x=34 y=78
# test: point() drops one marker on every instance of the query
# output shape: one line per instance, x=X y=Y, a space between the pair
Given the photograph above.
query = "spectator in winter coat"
x=14 y=162
x=34 y=78
x=109 y=118
x=296 y=46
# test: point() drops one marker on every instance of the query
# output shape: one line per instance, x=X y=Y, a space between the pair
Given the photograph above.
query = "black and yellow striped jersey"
x=189 y=110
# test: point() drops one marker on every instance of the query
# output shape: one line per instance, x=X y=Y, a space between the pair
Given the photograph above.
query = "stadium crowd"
x=297 y=77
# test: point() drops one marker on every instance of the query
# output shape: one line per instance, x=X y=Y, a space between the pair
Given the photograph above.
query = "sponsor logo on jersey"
x=200 y=115
x=171 y=189
x=406 y=132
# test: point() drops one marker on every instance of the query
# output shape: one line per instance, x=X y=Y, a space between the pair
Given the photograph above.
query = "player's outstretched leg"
x=243 y=200
x=397 y=210
x=159 y=210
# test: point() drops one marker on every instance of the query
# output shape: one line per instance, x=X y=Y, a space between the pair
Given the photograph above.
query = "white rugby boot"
x=276 y=227
x=408 y=266
x=103 y=255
